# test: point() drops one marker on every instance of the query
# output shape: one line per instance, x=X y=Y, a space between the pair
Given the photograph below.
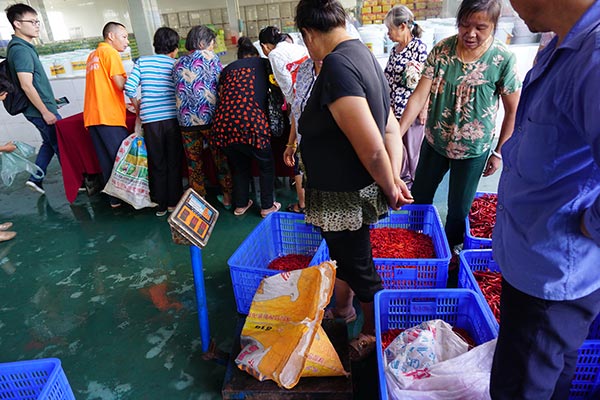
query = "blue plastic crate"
x=42 y=379
x=404 y=309
x=472 y=242
x=587 y=371
x=476 y=260
x=411 y=273
x=279 y=234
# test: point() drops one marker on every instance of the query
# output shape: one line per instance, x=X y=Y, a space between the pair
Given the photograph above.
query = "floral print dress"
x=463 y=100
x=403 y=72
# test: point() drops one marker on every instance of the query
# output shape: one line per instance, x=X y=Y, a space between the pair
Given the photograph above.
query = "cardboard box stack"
x=374 y=11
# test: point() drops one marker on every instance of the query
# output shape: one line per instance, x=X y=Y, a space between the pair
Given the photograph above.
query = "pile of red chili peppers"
x=482 y=216
x=388 y=337
x=401 y=243
x=290 y=262
x=490 y=284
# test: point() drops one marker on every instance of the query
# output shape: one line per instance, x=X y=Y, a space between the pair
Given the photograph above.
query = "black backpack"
x=16 y=101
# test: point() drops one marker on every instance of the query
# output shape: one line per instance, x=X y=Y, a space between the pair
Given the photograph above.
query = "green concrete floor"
x=108 y=293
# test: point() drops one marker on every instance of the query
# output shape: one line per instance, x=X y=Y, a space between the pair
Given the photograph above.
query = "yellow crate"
x=378 y=21
x=386 y=7
x=366 y=10
x=386 y=2
x=369 y=3
x=376 y=9
x=380 y=15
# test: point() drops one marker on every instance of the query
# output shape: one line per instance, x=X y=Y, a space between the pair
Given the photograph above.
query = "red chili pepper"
x=401 y=243
x=490 y=284
x=290 y=262
x=482 y=216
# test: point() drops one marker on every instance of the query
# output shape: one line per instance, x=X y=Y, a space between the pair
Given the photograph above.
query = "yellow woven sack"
x=284 y=319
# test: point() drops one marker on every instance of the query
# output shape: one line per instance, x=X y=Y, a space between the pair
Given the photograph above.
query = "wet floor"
x=108 y=293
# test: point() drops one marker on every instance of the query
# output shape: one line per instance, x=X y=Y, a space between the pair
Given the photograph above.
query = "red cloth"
x=77 y=153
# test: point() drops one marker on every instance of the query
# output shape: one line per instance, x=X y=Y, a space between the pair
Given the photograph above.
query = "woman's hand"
x=288 y=156
x=8 y=147
x=493 y=165
x=400 y=195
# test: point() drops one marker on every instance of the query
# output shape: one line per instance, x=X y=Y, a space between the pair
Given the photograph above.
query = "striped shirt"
x=153 y=74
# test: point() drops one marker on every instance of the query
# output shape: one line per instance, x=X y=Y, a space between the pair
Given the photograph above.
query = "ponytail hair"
x=270 y=35
x=401 y=14
x=246 y=48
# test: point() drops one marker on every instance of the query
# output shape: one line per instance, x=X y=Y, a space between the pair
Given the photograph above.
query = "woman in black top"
x=352 y=152
x=241 y=126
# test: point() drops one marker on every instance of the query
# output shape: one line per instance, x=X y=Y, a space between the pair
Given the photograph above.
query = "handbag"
x=276 y=102
x=129 y=178
x=16 y=161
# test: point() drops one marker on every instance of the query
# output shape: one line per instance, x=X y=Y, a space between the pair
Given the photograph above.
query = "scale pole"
x=201 y=304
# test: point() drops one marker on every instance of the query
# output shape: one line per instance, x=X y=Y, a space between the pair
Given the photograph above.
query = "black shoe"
x=37 y=186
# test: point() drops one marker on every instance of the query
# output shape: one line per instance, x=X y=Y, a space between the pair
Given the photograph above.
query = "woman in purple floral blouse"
x=196 y=76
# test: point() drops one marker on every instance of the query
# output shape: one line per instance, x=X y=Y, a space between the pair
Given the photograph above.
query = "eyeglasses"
x=35 y=22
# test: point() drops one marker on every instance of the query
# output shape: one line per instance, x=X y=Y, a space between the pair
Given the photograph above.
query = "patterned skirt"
x=339 y=211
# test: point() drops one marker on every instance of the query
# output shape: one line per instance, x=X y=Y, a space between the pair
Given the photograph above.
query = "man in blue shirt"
x=547 y=234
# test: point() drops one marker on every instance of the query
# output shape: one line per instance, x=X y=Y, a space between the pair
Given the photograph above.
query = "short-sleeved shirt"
x=330 y=160
x=463 y=100
x=104 y=102
x=23 y=57
x=396 y=72
x=195 y=77
x=241 y=116
x=154 y=75
x=340 y=192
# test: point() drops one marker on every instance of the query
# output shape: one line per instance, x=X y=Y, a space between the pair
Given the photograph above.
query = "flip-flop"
x=274 y=208
x=295 y=208
x=361 y=347
x=242 y=210
x=330 y=314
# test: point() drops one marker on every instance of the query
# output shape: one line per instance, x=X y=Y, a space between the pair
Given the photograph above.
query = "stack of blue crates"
x=587 y=370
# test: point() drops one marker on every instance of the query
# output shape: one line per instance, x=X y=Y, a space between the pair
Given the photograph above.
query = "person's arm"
x=26 y=82
x=119 y=81
x=290 y=147
x=133 y=82
x=416 y=102
x=8 y=148
x=510 y=103
x=392 y=140
x=353 y=115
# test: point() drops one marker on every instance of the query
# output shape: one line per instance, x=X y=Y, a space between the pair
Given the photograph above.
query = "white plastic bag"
x=129 y=178
x=16 y=162
x=466 y=377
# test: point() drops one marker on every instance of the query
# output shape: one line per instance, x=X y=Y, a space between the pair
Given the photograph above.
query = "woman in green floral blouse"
x=465 y=75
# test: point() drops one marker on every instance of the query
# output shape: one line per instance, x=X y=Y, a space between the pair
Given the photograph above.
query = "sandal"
x=295 y=208
x=274 y=208
x=330 y=314
x=242 y=210
x=361 y=347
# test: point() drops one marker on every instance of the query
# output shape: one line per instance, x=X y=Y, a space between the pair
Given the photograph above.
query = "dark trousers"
x=352 y=252
x=165 y=155
x=537 y=346
x=464 y=178
x=240 y=157
x=49 y=144
x=107 y=140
